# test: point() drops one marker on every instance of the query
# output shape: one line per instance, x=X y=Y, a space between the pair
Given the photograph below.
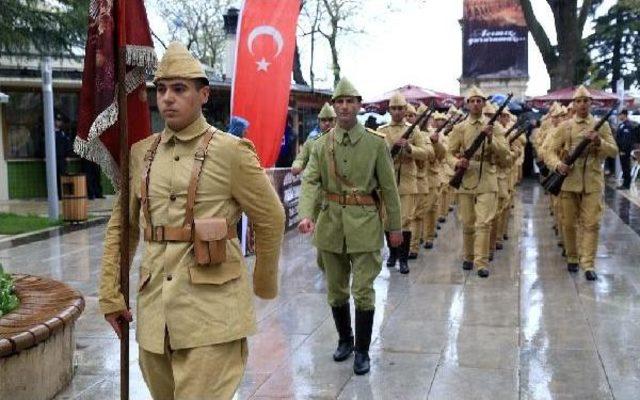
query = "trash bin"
x=74 y=197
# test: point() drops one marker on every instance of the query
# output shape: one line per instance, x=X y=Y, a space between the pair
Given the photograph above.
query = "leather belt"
x=177 y=234
x=351 y=199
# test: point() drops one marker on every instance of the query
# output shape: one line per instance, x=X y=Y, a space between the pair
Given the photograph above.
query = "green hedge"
x=8 y=300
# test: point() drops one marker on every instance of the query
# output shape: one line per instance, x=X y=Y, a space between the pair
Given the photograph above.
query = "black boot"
x=404 y=252
x=393 y=253
x=342 y=318
x=467 y=265
x=572 y=267
x=591 y=275
x=364 y=324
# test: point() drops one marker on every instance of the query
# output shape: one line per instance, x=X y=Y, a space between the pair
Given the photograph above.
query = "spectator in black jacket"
x=627 y=138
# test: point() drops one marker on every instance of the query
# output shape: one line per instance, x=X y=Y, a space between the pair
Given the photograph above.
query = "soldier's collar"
x=475 y=120
x=195 y=129
x=355 y=133
x=587 y=119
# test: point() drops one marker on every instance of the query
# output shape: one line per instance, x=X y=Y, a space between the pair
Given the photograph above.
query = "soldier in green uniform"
x=351 y=168
x=412 y=149
x=326 y=121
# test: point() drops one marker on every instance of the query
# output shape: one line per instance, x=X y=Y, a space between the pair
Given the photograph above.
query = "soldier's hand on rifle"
x=306 y=226
x=295 y=171
x=402 y=142
x=594 y=137
x=395 y=238
x=434 y=137
x=462 y=163
x=488 y=131
x=115 y=319
x=563 y=168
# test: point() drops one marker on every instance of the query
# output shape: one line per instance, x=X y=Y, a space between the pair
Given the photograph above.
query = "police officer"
x=477 y=194
x=626 y=137
x=193 y=317
x=412 y=149
x=352 y=169
x=582 y=190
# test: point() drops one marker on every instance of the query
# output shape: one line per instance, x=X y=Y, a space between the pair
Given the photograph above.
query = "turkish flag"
x=262 y=79
x=98 y=116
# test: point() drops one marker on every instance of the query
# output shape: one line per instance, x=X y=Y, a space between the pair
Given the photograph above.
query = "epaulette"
x=383 y=126
x=378 y=134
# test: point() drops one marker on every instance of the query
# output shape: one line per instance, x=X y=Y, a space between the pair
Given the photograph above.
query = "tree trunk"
x=616 y=63
x=312 y=75
x=334 y=60
x=297 y=68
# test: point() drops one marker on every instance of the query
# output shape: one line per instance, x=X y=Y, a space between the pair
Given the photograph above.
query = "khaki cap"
x=344 y=88
x=177 y=62
x=489 y=108
x=397 y=100
x=439 y=116
x=581 y=92
x=475 y=91
x=327 y=111
x=411 y=109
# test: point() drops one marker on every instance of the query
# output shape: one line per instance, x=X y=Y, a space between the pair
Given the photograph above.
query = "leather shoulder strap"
x=198 y=162
x=144 y=187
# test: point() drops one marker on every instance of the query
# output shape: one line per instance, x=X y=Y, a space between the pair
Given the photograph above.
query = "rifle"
x=459 y=118
x=519 y=133
x=553 y=182
x=456 y=180
x=426 y=114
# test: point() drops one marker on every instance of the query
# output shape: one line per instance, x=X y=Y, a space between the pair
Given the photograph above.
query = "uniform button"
x=172 y=197
x=169 y=277
x=176 y=158
x=345 y=160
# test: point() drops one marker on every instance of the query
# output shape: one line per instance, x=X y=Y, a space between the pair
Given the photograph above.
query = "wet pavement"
x=530 y=331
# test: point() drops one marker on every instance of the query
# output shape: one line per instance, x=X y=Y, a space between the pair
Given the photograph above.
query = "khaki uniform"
x=581 y=194
x=408 y=185
x=202 y=313
x=447 y=171
x=477 y=194
x=349 y=237
x=433 y=172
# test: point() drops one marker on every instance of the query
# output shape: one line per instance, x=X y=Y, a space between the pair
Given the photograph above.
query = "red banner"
x=97 y=136
x=262 y=79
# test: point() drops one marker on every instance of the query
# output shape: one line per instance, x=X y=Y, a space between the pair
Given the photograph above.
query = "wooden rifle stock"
x=456 y=180
x=426 y=114
x=553 y=182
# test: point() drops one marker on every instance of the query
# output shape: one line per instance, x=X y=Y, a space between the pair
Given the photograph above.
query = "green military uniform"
x=347 y=167
x=193 y=320
x=581 y=194
x=303 y=156
x=477 y=195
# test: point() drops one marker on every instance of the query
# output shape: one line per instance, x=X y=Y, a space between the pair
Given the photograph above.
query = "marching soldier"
x=195 y=307
x=352 y=167
x=581 y=195
x=326 y=121
x=422 y=197
x=433 y=173
x=477 y=195
x=412 y=149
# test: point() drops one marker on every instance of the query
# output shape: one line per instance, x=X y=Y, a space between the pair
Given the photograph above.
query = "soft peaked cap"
x=397 y=100
x=327 y=111
x=177 y=62
x=581 y=92
x=344 y=88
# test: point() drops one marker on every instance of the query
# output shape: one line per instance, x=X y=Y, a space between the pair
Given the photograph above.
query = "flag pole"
x=124 y=196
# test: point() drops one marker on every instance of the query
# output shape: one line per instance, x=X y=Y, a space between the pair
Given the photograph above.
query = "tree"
x=615 y=45
x=564 y=61
x=47 y=27
x=199 y=25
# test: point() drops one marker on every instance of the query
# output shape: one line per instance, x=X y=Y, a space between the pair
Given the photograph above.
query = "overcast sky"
x=419 y=44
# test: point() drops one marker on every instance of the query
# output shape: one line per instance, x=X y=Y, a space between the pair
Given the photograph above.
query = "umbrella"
x=414 y=94
x=565 y=96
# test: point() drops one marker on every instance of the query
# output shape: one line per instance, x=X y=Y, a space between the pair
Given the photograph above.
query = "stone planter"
x=37 y=339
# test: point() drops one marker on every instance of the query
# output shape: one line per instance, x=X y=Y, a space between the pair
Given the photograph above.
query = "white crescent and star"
x=263 y=64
